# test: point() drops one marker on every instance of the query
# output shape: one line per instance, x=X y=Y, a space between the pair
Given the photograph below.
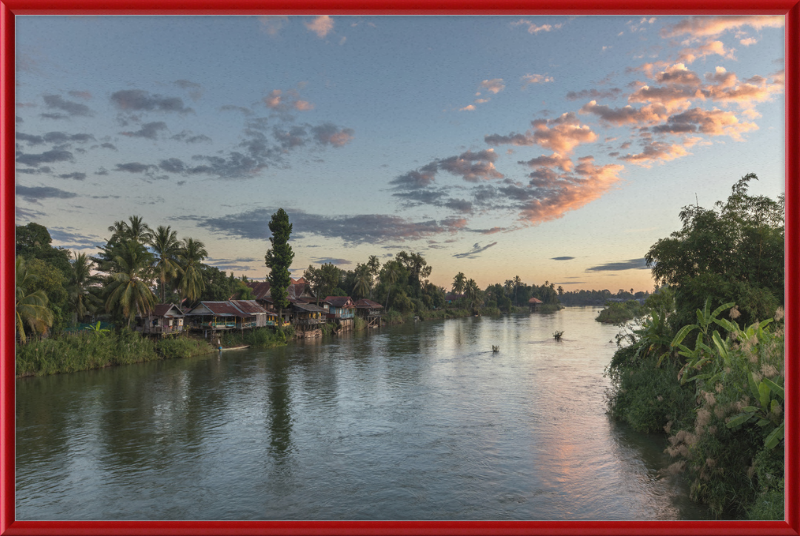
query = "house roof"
x=535 y=300
x=307 y=307
x=163 y=308
x=219 y=308
x=250 y=307
x=344 y=302
x=260 y=289
x=368 y=304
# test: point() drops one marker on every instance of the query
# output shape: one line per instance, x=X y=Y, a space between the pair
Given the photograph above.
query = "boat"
x=234 y=348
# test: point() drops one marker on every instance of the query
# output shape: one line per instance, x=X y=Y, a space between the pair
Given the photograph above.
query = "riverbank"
x=720 y=408
x=87 y=351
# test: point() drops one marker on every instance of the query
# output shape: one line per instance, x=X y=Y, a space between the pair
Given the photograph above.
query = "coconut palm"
x=363 y=284
x=31 y=307
x=81 y=297
x=129 y=291
x=389 y=276
x=517 y=284
x=138 y=230
x=471 y=291
x=458 y=282
x=190 y=260
x=166 y=247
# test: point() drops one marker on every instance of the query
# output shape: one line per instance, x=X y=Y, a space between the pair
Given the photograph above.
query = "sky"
x=557 y=149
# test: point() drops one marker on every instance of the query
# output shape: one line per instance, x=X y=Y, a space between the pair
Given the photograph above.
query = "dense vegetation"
x=707 y=367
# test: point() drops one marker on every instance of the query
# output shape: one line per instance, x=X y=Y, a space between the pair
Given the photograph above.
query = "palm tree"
x=129 y=291
x=190 y=258
x=389 y=276
x=517 y=284
x=80 y=295
x=166 y=247
x=508 y=285
x=471 y=291
x=560 y=290
x=459 y=282
x=31 y=308
x=363 y=284
x=138 y=230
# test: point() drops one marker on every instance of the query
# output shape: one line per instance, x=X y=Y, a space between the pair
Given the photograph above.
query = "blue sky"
x=553 y=148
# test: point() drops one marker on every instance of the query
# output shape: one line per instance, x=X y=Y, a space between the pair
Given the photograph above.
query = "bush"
x=182 y=347
x=619 y=312
x=258 y=338
x=393 y=317
x=359 y=323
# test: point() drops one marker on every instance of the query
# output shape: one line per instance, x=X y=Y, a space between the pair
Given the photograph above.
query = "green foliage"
x=190 y=278
x=359 y=324
x=181 y=347
x=620 y=312
x=83 y=352
x=393 y=317
x=279 y=258
x=31 y=305
x=733 y=253
x=258 y=338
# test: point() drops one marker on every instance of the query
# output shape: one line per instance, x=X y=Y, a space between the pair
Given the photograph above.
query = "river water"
x=418 y=421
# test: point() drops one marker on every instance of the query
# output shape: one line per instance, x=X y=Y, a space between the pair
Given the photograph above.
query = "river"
x=417 y=421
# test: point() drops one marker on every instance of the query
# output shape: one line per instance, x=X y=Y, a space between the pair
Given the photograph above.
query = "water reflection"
x=419 y=421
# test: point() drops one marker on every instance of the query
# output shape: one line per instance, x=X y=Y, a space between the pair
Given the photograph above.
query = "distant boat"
x=495 y=348
x=235 y=348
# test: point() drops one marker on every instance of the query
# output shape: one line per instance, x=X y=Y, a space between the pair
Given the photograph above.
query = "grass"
x=258 y=338
x=92 y=351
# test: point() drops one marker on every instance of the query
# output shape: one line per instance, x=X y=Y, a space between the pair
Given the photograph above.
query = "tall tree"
x=458 y=282
x=471 y=291
x=363 y=283
x=190 y=259
x=279 y=259
x=166 y=248
x=81 y=298
x=129 y=290
x=31 y=307
x=389 y=275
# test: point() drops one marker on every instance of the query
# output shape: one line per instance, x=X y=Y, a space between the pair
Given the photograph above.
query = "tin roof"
x=344 y=302
x=219 y=308
x=250 y=307
x=163 y=308
x=307 y=308
x=535 y=300
x=368 y=304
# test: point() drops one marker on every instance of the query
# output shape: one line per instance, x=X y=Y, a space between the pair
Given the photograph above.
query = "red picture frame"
x=11 y=8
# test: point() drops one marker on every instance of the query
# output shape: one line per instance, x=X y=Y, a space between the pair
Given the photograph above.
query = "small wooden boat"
x=234 y=348
x=495 y=348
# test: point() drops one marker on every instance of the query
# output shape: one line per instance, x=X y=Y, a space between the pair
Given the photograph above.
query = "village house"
x=369 y=311
x=341 y=311
x=534 y=304
x=211 y=316
x=164 y=319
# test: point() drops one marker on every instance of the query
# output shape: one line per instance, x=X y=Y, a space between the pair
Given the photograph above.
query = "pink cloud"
x=649 y=114
x=533 y=28
x=657 y=151
x=698 y=27
x=535 y=79
x=566 y=134
x=321 y=25
x=713 y=123
x=554 y=160
x=472 y=167
x=494 y=85
x=271 y=25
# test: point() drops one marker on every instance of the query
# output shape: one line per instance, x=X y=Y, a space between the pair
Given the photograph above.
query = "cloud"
x=473 y=253
x=472 y=167
x=272 y=25
x=713 y=123
x=78 y=176
x=352 y=229
x=421 y=178
x=561 y=135
x=632 y=264
x=35 y=193
x=330 y=134
x=85 y=95
x=654 y=152
x=562 y=258
x=697 y=27
x=321 y=25
x=231 y=107
x=53 y=137
x=65 y=238
x=649 y=114
x=612 y=93
x=495 y=85
x=47 y=157
x=286 y=100
x=24 y=214
x=711 y=47
x=172 y=165
x=136 y=100
x=535 y=79
x=554 y=160
x=148 y=130
x=533 y=28
x=330 y=260
x=195 y=90
x=467 y=108
x=188 y=137
x=134 y=167
x=749 y=41
x=71 y=108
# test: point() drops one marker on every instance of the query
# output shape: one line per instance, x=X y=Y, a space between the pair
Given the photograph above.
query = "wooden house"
x=251 y=307
x=222 y=316
x=534 y=304
x=164 y=319
x=341 y=311
x=307 y=316
x=369 y=311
